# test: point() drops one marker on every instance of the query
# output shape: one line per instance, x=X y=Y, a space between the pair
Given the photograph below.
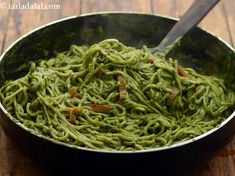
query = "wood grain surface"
x=16 y=22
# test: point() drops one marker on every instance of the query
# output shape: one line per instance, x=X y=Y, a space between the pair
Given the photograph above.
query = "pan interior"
x=199 y=49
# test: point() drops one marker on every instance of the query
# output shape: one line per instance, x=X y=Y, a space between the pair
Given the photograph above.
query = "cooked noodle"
x=113 y=97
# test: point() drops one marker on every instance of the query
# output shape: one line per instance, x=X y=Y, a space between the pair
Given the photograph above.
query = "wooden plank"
x=217 y=166
x=114 y=5
x=219 y=26
x=216 y=23
x=182 y=7
x=70 y=8
x=176 y=8
x=227 y=156
x=3 y=21
x=3 y=29
x=229 y=6
x=164 y=7
x=23 y=21
x=13 y=162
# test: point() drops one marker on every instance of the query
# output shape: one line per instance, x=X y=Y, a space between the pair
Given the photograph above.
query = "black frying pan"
x=210 y=55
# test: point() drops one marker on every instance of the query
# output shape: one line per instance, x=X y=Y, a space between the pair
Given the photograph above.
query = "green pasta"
x=113 y=97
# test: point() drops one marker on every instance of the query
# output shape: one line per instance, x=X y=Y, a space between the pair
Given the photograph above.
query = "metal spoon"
x=196 y=12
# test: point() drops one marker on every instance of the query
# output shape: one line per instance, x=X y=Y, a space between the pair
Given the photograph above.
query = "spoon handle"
x=196 y=12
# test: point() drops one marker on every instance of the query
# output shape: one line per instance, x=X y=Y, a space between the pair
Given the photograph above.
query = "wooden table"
x=16 y=22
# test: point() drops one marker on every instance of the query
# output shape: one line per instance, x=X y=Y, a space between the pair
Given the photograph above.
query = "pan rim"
x=111 y=151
